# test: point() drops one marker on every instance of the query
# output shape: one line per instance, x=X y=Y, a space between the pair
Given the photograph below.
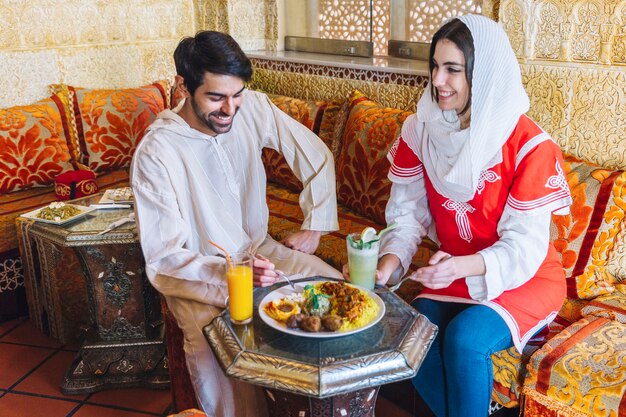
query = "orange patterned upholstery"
x=110 y=123
x=286 y=218
x=579 y=372
x=586 y=238
x=318 y=116
x=362 y=167
x=189 y=413
x=33 y=146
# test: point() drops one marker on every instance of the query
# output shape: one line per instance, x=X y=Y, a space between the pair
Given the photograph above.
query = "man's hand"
x=305 y=241
x=264 y=274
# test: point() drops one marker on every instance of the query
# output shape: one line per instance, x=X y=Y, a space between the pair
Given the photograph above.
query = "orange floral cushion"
x=586 y=238
x=318 y=116
x=110 y=123
x=33 y=146
x=580 y=370
x=362 y=168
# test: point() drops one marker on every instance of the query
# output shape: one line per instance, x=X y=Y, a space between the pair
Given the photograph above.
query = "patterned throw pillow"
x=33 y=146
x=362 y=168
x=587 y=236
x=319 y=116
x=579 y=372
x=110 y=122
x=612 y=306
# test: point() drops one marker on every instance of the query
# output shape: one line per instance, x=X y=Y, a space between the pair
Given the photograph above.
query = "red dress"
x=530 y=177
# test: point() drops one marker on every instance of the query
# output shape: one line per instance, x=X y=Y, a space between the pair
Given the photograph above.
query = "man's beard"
x=217 y=128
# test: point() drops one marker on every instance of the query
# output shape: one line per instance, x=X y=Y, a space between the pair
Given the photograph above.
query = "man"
x=197 y=176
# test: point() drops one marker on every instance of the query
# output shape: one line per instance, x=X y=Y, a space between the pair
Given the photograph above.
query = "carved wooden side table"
x=334 y=377
x=77 y=280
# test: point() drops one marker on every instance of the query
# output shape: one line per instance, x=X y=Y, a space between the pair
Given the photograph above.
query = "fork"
x=399 y=283
x=281 y=274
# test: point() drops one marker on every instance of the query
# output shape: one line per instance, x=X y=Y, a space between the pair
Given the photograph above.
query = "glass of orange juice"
x=239 y=279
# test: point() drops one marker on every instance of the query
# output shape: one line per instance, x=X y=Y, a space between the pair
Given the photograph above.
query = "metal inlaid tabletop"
x=84 y=230
x=389 y=351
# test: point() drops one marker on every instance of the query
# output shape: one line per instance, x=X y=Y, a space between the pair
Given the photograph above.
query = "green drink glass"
x=362 y=260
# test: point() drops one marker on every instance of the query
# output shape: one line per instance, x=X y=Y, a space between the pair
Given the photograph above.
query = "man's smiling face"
x=216 y=102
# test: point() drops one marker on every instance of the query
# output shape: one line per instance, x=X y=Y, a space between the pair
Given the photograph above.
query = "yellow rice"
x=369 y=313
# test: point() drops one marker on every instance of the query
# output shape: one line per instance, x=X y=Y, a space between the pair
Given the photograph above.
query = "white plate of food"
x=280 y=309
x=58 y=213
x=122 y=195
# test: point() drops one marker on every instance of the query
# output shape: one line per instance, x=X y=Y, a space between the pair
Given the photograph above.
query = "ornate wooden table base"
x=110 y=365
x=81 y=280
x=359 y=403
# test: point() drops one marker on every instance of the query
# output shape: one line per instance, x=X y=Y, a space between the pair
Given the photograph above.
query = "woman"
x=482 y=179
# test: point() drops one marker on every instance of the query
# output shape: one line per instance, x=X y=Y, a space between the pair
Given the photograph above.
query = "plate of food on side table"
x=122 y=195
x=58 y=213
x=321 y=309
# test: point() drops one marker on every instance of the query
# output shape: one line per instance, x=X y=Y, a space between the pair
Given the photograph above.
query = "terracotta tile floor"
x=32 y=367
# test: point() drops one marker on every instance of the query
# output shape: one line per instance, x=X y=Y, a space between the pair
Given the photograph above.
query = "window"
x=373 y=22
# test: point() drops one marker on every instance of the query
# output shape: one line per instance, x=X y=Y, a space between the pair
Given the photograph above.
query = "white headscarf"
x=454 y=158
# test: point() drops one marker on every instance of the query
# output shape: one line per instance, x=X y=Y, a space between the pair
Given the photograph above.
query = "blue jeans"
x=457 y=375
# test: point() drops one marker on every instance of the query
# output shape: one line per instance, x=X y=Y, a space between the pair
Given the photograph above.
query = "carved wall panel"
x=550 y=91
x=247 y=21
x=598 y=127
x=548 y=41
x=491 y=9
x=212 y=15
x=587 y=19
x=583 y=109
x=512 y=20
x=618 y=50
x=591 y=31
x=318 y=82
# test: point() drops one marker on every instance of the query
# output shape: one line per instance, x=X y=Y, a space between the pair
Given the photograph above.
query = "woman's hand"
x=386 y=265
x=264 y=273
x=440 y=272
x=444 y=268
x=380 y=280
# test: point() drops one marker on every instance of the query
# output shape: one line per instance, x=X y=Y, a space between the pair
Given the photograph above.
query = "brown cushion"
x=587 y=237
x=33 y=146
x=362 y=167
x=319 y=116
x=110 y=123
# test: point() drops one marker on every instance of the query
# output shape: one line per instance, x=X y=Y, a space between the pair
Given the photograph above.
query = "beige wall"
x=573 y=61
x=113 y=43
x=572 y=53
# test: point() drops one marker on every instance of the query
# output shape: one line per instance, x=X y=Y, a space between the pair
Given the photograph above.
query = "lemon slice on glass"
x=368 y=235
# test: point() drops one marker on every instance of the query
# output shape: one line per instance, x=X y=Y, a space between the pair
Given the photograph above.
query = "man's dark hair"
x=213 y=52
x=458 y=33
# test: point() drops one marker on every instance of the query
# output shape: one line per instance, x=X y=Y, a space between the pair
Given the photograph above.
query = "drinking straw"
x=228 y=259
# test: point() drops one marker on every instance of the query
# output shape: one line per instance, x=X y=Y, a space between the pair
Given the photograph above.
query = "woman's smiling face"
x=449 y=79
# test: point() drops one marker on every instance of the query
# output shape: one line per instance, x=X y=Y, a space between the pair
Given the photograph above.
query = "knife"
x=117 y=223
